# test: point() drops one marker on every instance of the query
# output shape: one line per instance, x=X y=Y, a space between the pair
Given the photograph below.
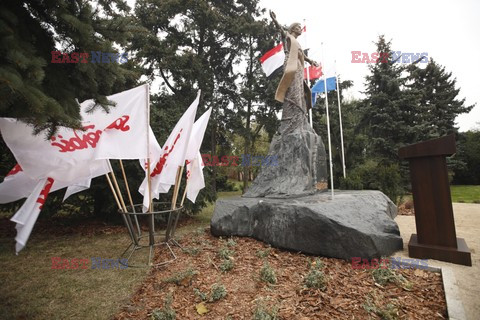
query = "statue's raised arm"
x=279 y=27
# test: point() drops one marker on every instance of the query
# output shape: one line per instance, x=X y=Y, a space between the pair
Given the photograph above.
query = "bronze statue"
x=292 y=90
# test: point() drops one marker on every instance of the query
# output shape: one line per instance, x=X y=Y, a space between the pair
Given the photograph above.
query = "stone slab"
x=352 y=224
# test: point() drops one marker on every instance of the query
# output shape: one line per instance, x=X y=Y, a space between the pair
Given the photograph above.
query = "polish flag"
x=314 y=72
x=273 y=60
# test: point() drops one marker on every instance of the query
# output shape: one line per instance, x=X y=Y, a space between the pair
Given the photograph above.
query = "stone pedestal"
x=353 y=224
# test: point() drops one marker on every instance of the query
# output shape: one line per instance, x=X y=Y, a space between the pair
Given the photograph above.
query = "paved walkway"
x=467 y=222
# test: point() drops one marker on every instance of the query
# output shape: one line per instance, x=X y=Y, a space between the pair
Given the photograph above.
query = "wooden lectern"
x=436 y=237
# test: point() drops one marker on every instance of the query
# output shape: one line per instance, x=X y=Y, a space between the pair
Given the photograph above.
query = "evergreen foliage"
x=46 y=94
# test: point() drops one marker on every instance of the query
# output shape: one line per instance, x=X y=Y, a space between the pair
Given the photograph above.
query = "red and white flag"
x=120 y=134
x=313 y=72
x=273 y=60
x=18 y=185
x=195 y=179
x=173 y=154
x=27 y=215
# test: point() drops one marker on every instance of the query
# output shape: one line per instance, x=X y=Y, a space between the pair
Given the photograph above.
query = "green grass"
x=30 y=289
x=467 y=194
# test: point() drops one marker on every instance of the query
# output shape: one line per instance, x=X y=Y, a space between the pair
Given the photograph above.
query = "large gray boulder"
x=353 y=224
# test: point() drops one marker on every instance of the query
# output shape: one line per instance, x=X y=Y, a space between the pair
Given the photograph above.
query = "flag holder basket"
x=156 y=239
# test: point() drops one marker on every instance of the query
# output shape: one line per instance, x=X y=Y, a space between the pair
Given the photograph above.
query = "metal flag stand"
x=160 y=238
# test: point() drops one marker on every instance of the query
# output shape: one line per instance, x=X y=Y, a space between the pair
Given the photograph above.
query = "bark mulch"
x=349 y=293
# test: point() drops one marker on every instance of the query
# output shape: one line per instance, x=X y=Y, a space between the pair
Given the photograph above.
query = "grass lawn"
x=468 y=194
x=31 y=289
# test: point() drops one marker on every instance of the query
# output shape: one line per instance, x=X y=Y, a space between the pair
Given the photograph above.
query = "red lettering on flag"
x=14 y=170
x=44 y=194
x=119 y=124
x=160 y=164
x=89 y=138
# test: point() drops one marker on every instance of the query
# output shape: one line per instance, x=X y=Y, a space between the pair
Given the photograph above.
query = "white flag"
x=27 y=215
x=120 y=134
x=172 y=156
x=125 y=127
x=195 y=179
x=18 y=185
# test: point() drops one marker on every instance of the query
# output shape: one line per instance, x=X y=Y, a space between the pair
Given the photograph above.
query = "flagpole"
x=308 y=72
x=178 y=180
x=151 y=222
x=340 y=119
x=130 y=197
x=129 y=227
x=328 y=124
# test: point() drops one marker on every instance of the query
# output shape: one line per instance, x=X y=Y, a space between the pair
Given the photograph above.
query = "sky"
x=449 y=31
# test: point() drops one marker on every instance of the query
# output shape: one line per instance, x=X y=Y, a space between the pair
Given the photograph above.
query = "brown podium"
x=436 y=237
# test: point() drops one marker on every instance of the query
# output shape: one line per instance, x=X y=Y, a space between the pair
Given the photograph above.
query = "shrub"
x=263 y=253
x=267 y=274
x=225 y=253
x=263 y=312
x=227 y=265
x=218 y=292
x=315 y=277
x=166 y=313
x=182 y=278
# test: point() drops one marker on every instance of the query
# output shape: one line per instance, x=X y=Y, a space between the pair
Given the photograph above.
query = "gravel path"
x=467 y=222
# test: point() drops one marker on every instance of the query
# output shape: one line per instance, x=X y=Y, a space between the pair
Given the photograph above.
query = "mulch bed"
x=406 y=209
x=348 y=294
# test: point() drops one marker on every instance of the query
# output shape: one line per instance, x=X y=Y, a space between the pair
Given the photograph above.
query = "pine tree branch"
x=167 y=82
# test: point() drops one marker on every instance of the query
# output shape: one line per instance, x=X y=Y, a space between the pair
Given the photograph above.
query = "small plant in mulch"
x=202 y=295
x=227 y=265
x=225 y=253
x=217 y=292
x=166 y=313
x=316 y=278
x=383 y=276
x=267 y=274
x=264 y=312
x=263 y=253
x=231 y=242
x=388 y=311
x=191 y=251
x=184 y=277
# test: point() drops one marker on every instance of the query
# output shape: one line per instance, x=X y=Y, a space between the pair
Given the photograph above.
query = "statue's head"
x=295 y=28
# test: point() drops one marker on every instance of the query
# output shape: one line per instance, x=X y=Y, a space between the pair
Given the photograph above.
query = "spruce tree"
x=389 y=109
x=438 y=99
x=46 y=94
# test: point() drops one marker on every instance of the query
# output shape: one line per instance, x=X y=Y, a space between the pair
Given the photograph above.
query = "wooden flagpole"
x=123 y=207
x=176 y=188
x=129 y=227
x=151 y=222
x=130 y=197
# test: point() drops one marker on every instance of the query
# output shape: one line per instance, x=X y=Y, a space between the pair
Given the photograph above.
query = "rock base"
x=353 y=224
